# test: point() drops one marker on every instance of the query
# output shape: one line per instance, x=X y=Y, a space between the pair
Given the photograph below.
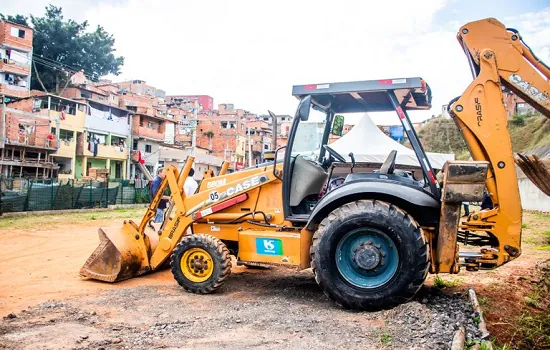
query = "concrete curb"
x=481 y=326
x=459 y=339
x=69 y=211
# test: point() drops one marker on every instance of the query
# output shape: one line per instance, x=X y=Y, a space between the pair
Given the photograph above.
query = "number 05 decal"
x=214 y=196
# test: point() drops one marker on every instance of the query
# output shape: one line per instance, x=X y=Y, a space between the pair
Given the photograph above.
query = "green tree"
x=62 y=47
x=16 y=19
x=441 y=135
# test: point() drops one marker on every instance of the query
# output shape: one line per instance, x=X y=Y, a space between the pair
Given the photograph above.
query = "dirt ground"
x=51 y=307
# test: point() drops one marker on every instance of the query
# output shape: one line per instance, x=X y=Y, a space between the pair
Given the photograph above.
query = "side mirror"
x=303 y=108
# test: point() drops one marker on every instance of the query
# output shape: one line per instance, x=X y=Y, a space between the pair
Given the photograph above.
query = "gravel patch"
x=276 y=309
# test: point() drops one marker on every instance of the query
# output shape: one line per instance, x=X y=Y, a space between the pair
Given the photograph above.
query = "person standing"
x=466 y=208
x=161 y=174
x=189 y=188
x=190 y=185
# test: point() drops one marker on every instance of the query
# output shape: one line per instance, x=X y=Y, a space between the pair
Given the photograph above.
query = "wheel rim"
x=197 y=265
x=367 y=258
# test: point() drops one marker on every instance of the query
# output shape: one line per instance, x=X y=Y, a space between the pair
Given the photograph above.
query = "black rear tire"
x=213 y=251
x=386 y=220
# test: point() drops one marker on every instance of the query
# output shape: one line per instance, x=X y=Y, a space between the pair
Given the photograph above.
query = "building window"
x=147 y=148
x=135 y=145
x=10 y=78
x=266 y=147
x=64 y=135
x=151 y=125
x=19 y=33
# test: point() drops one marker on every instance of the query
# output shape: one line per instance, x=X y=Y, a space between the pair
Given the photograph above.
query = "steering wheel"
x=334 y=154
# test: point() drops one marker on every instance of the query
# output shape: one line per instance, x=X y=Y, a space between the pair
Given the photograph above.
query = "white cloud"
x=251 y=52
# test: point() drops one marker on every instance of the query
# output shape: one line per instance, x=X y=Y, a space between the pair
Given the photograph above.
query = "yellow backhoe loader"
x=371 y=238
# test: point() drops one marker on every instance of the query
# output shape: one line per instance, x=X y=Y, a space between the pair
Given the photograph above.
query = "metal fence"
x=19 y=194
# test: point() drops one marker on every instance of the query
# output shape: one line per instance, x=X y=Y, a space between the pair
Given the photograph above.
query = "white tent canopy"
x=370 y=145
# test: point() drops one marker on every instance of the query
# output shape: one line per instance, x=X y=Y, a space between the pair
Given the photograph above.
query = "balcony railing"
x=150 y=133
x=14 y=67
x=66 y=148
x=33 y=141
x=103 y=151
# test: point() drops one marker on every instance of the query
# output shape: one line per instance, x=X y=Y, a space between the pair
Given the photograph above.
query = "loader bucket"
x=122 y=254
x=537 y=170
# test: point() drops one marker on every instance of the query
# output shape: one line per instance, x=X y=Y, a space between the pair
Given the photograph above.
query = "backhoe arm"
x=497 y=57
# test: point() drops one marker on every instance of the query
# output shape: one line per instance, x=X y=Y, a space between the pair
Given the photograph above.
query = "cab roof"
x=367 y=95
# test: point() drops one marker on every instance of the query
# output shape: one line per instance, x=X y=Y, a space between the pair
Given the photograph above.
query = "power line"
x=56 y=62
x=44 y=61
x=59 y=67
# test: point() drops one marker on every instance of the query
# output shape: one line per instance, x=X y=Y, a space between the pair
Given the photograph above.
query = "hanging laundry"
x=97 y=113
x=101 y=138
x=140 y=158
x=96 y=143
x=63 y=114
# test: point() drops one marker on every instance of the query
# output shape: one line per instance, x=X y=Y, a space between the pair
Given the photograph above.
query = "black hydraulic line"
x=515 y=31
x=241 y=217
x=260 y=224
x=451 y=102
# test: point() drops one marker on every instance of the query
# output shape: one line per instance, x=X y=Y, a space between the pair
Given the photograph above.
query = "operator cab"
x=316 y=169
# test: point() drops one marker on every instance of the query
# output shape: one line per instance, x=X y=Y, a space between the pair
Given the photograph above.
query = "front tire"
x=369 y=255
x=200 y=263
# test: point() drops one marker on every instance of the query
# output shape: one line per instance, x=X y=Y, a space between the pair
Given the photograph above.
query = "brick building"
x=144 y=121
x=206 y=103
x=513 y=104
x=27 y=140
x=15 y=59
x=140 y=87
x=104 y=141
x=225 y=132
x=153 y=125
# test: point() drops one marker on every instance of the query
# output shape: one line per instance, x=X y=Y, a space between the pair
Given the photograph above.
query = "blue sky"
x=464 y=11
x=250 y=52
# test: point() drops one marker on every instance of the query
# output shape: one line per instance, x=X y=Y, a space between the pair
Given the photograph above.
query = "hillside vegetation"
x=526 y=131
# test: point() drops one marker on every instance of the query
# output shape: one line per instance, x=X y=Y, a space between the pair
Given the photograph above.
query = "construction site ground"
x=45 y=305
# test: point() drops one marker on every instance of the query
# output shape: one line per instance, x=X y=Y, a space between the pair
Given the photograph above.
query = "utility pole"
x=249 y=149
x=195 y=123
x=274 y=131
x=4 y=130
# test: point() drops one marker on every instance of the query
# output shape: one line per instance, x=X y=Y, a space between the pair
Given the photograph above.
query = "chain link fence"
x=18 y=194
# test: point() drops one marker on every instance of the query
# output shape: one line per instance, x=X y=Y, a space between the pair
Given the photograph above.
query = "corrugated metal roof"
x=176 y=154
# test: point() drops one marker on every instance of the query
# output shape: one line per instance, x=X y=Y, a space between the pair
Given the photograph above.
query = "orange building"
x=15 y=59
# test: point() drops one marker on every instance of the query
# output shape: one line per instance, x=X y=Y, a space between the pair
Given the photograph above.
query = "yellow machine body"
x=245 y=208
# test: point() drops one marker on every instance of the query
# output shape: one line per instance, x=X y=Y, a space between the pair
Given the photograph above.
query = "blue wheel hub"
x=367 y=258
